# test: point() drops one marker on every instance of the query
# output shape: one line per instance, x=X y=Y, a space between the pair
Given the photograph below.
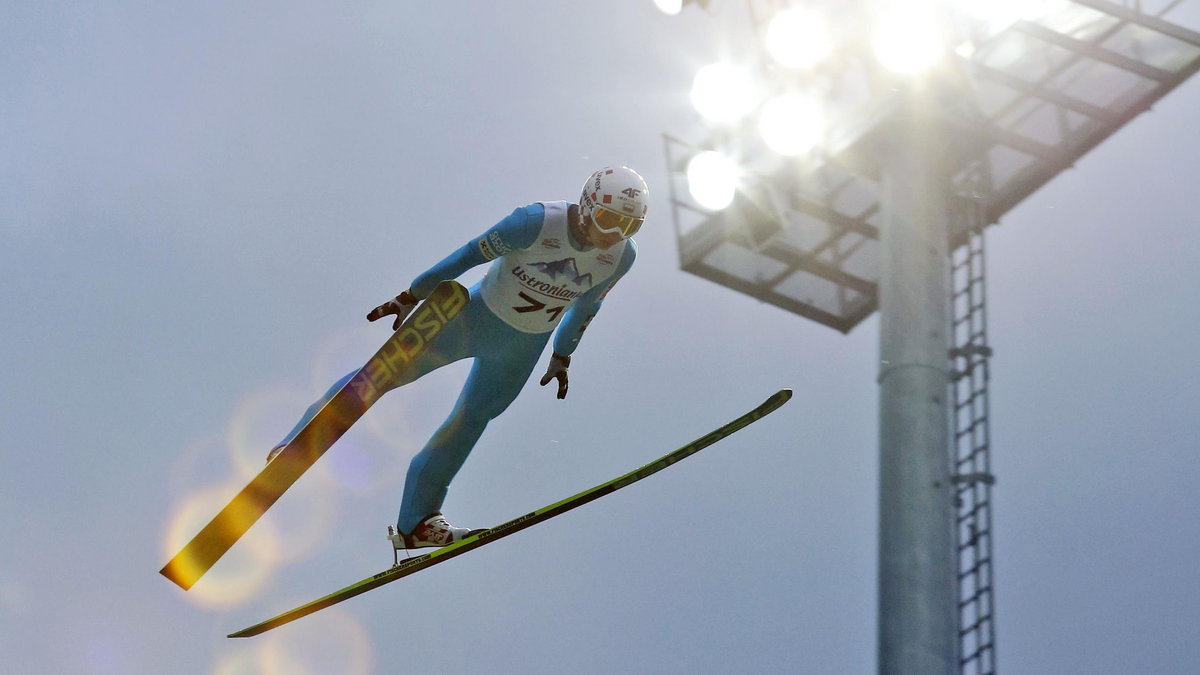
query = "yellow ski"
x=350 y=402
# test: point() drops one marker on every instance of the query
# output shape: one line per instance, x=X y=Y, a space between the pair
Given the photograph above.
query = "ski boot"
x=433 y=532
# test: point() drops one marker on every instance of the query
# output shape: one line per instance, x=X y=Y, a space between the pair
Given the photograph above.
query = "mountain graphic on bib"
x=564 y=268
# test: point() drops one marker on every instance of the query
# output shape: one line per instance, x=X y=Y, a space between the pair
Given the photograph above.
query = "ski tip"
x=257 y=629
x=178 y=571
x=780 y=397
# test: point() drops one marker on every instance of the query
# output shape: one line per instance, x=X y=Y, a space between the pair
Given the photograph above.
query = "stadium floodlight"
x=888 y=215
x=907 y=40
x=791 y=124
x=722 y=93
x=712 y=180
x=671 y=7
x=797 y=38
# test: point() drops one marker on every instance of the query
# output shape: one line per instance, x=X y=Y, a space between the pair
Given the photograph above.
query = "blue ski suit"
x=540 y=274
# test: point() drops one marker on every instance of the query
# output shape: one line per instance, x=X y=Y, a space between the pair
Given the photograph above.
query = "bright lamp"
x=712 y=180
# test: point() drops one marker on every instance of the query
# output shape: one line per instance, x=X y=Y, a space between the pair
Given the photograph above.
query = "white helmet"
x=616 y=200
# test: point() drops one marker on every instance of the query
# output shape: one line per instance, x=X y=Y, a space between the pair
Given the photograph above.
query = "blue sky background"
x=200 y=202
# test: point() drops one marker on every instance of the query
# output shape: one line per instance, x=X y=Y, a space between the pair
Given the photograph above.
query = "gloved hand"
x=400 y=305
x=558 y=371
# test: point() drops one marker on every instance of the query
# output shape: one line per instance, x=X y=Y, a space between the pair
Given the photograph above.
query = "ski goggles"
x=611 y=222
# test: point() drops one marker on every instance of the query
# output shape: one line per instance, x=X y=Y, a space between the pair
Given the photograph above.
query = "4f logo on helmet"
x=632 y=193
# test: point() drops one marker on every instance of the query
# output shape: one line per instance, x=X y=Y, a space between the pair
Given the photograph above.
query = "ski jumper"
x=540 y=278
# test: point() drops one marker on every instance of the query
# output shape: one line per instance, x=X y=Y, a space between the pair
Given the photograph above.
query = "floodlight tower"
x=881 y=155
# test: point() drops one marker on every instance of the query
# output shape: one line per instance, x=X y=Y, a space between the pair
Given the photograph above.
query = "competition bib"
x=531 y=288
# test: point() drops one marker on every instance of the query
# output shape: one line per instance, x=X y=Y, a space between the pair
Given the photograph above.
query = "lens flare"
x=102 y=641
x=333 y=642
x=194 y=465
x=240 y=662
x=260 y=421
x=345 y=351
x=239 y=576
x=374 y=455
x=307 y=520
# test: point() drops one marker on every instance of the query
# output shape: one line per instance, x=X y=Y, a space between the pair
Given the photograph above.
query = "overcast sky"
x=199 y=202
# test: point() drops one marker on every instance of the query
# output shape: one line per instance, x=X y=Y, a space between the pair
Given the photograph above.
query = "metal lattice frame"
x=803 y=234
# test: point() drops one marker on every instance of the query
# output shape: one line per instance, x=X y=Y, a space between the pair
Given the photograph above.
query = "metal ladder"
x=973 y=479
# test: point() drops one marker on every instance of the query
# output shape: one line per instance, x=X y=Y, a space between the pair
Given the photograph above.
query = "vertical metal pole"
x=918 y=619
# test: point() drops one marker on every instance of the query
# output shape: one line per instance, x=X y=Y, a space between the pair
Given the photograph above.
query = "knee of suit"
x=477 y=416
x=483 y=401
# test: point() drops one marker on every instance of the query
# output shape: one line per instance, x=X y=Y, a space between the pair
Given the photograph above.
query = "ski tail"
x=350 y=402
x=414 y=565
